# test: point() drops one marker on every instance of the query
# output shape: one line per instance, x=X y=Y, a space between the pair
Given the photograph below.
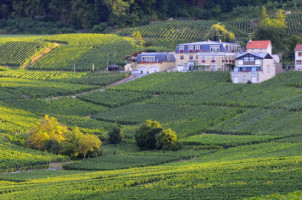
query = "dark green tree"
x=145 y=136
x=116 y=135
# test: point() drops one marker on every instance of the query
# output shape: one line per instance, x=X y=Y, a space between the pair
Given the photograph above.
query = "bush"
x=145 y=136
x=116 y=135
x=152 y=136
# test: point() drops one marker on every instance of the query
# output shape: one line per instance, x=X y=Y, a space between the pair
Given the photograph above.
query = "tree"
x=166 y=139
x=78 y=143
x=218 y=31
x=47 y=131
x=145 y=136
x=116 y=135
x=273 y=29
x=89 y=143
x=138 y=36
x=152 y=136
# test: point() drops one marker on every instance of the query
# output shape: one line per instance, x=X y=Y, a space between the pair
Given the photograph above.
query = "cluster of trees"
x=152 y=136
x=218 y=31
x=49 y=135
x=272 y=28
x=98 y=14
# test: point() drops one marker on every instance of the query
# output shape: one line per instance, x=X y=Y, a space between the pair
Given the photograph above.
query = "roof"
x=260 y=44
x=159 y=57
x=259 y=55
x=298 y=47
x=209 y=42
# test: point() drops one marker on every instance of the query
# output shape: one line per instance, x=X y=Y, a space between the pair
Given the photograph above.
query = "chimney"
x=250 y=40
x=219 y=40
x=209 y=41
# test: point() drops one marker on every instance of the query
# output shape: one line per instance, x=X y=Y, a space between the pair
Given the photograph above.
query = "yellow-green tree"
x=218 y=31
x=78 y=143
x=166 y=139
x=272 y=28
x=47 y=131
x=138 y=36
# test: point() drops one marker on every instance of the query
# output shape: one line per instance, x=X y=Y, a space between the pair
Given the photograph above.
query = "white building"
x=298 y=57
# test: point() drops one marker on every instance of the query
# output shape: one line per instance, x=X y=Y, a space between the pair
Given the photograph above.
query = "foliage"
x=77 y=144
x=218 y=31
x=145 y=136
x=166 y=140
x=116 y=135
x=47 y=134
x=273 y=29
x=138 y=36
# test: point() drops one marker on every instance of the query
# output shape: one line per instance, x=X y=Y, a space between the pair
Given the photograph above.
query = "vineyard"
x=80 y=51
x=238 y=141
x=245 y=27
x=185 y=30
x=71 y=51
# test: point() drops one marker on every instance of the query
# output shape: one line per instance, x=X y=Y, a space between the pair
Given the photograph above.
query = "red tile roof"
x=261 y=44
x=298 y=47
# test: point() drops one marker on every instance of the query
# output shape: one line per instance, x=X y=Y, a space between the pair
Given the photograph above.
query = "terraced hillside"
x=239 y=141
x=65 y=52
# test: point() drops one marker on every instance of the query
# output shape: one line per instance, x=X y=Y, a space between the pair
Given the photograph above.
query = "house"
x=207 y=55
x=260 y=46
x=146 y=63
x=113 y=68
x=298 y=57
x=254 y=68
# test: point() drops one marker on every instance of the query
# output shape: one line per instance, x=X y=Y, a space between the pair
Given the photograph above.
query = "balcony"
x=247 y=70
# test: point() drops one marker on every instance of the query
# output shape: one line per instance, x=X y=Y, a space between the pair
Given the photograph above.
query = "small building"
x=260 y=46
x=147 y=63
x=254 y=68
x=207 y=55
x=113 y=68
x=298 y=57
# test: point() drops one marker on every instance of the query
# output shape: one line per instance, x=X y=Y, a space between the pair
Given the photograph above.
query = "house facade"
x=207 y=55
x=147 y=63
x=298 y=57
x=253 y=68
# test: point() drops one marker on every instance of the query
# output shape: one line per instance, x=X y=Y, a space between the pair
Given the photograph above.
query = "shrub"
x=152 y=136
x=145 y=136
x=116 y=135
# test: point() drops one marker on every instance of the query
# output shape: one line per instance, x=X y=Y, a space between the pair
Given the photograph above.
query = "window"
x=254 y=69
x=244 y=78
x=182 y=57
x=240 y=62
x=215 y=48
x=252 y=59
x=197 y=48
x=257 y=62
x=196 y=57
x=203 y=59
x=236 y=70
x=191 y=57
x=148 y=59
x=268 y=69
x=213 y=67
x=299 y=53
x=181 y=49
x=246 y=59
x=213 y=59
x=168 y=58
x=191 y=48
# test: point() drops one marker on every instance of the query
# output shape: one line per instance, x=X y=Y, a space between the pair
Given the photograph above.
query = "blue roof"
x=259 y=55
x=159 y=57
x=205 y=46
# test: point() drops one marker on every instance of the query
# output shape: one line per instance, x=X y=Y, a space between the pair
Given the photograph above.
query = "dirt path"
x=57 y=166
x=102 y=89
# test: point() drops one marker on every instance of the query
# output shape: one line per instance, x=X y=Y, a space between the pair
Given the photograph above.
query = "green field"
x=238 y=141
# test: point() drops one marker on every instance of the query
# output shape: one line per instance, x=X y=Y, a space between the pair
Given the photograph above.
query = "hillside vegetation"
x=239 y=141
